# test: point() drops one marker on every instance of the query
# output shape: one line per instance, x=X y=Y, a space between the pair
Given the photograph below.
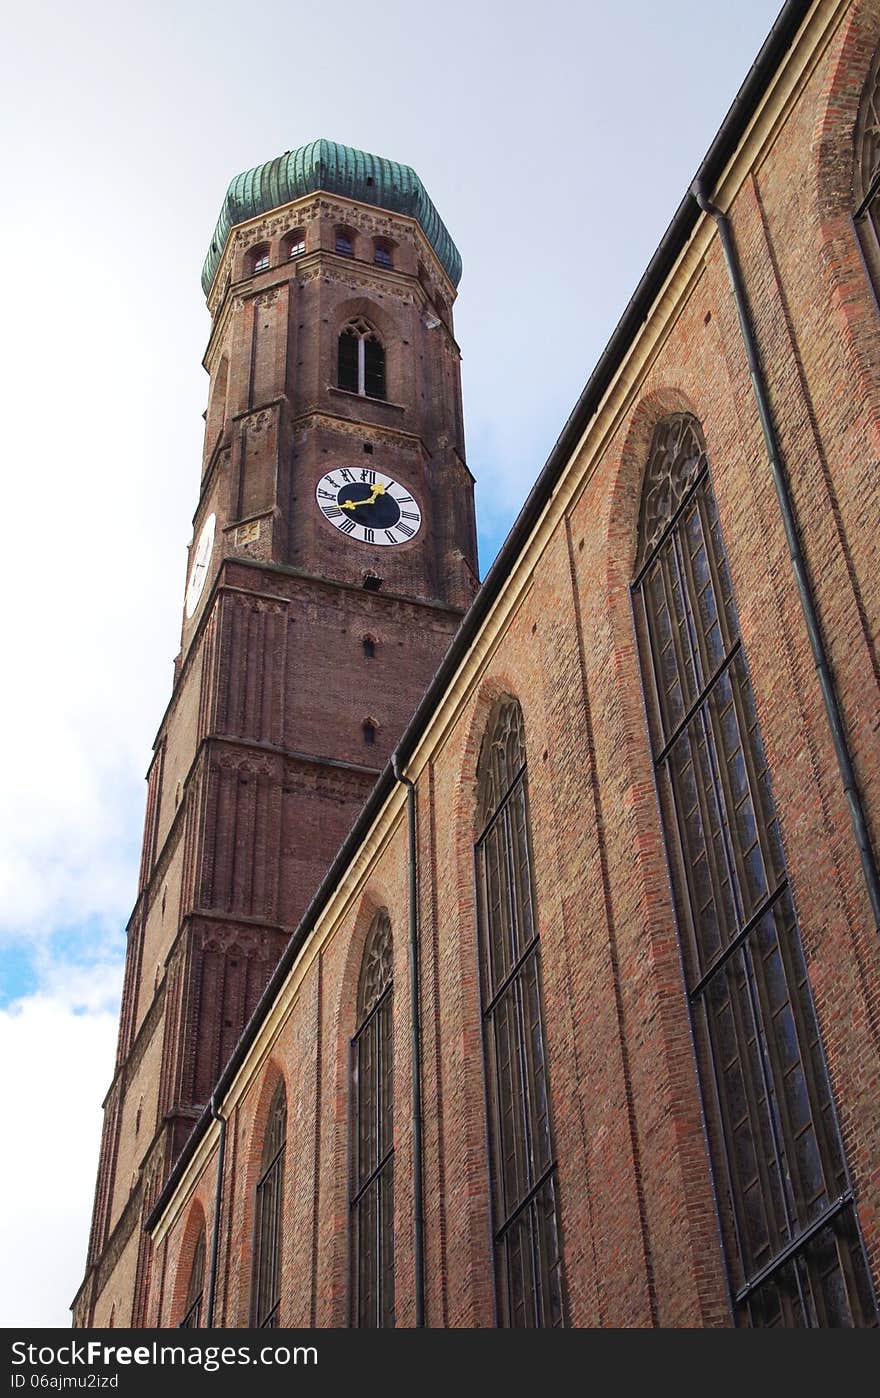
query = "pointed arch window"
x=268 y=1217
x=528 y=1258
x=361 y=360
x=792 y=1250
x=866 y=174
x=372 y=1196
x=193 y=1315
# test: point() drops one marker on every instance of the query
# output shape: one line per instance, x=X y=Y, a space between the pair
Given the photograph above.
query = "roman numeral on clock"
x=347 y=527
x=404 y=500
x=391 y=536
x=332 y=511
x=346 y=476
x=406 y=531
x=325 y=494
x=408 y=514
x=369 y=536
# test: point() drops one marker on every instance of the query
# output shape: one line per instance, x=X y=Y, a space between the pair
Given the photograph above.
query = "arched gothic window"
x=344 y=242
x=268 y=1216
x=257 y=259
x=193 y=1315
x=294 y=244
x=528 y=1259
x=361 y=360
x=372 y=1174
x=866 y=174
x=792 y=1249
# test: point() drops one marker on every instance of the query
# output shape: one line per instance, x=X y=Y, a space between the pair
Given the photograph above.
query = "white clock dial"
x=369 y=506
x=199 y=570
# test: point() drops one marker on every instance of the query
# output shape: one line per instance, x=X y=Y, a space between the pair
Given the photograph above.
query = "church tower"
x=333 y=554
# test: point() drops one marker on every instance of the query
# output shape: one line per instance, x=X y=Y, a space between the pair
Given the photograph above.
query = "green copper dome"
x=339 y=170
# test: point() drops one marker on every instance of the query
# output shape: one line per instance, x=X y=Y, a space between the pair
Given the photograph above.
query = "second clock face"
x=201 y=560
x=368 y=506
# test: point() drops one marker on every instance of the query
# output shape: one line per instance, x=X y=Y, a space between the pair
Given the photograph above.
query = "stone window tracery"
x=372 y=1166
x=866 y=173
x=192 y=1318
x=527 y=1245
x=790 y=1238
x=266 y=1290
x=361 y=360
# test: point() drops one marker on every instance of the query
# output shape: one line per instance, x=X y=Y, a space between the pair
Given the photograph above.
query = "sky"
x=556 y=141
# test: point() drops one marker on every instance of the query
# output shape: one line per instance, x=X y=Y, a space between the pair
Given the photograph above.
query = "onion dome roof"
x=325 y=165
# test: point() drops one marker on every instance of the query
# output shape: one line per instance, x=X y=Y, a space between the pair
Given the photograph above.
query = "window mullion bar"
x=368 y=1019
x=377 y=1256
x=270 y=1166
x=873 y=190
x=697 y=704
x=526 y=1200
x=502 y=805
x=512 y=921
x=794 y=1247
x=729 y=633
x=714 y=871
x=766 y=1069
x=512 y=974
x=372 y=1177
x=738 y=940
x=673 y=521
x=537 y=1294
x=723 y=801
x=374 y=1033
x=524 y=1142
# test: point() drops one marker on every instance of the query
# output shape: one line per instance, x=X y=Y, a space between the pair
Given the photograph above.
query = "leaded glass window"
x=866 y=174
x=361 y=360
x=793 y=1253
x=267 y=1223
x=372 y=1196
x=193 y=1315
x=528 y=1256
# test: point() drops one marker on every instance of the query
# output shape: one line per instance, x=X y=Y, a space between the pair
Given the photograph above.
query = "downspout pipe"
x=218 y=1203
x=798 y=562
x=414 y=991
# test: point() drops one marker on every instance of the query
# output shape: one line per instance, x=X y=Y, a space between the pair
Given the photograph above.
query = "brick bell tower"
x=334 y=551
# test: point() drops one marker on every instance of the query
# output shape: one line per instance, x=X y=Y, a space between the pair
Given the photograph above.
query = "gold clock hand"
x=356 y=504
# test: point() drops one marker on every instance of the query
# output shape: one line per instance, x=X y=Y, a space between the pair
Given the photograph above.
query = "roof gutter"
x=674 y=240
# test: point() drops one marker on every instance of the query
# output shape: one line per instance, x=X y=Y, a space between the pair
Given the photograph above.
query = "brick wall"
x=639 y=1223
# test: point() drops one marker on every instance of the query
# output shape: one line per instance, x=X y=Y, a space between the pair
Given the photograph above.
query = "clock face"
x=368 y=506
x=199 y=571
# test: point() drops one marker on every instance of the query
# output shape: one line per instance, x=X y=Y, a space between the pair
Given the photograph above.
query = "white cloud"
x=57 y=1047
x=92 y=567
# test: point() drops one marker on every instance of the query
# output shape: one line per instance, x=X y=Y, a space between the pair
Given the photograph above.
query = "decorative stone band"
x=324 y=165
